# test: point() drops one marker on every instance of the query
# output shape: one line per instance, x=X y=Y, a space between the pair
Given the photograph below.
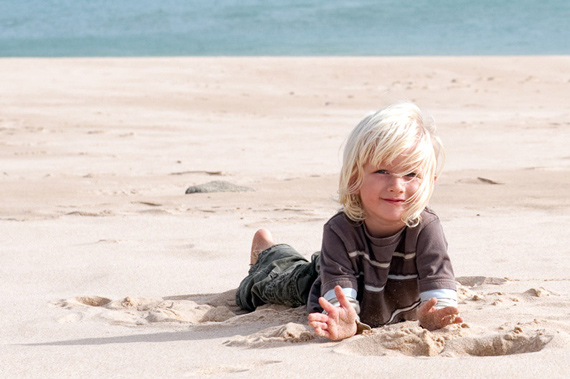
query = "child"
x=384 y=255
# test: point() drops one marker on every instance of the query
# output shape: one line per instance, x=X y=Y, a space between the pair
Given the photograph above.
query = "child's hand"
x=339 y=323
x=431 y=318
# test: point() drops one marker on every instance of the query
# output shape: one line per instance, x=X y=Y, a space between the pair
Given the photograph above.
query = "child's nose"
x=397 y=184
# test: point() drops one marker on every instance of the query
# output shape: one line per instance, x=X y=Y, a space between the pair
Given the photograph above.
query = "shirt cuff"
x=350 y=294
x=445 y=297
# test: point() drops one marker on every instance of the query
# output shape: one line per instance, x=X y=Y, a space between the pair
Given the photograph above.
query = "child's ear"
x=435 y=179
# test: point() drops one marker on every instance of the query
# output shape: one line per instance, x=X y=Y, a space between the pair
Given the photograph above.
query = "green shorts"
x=280 y=276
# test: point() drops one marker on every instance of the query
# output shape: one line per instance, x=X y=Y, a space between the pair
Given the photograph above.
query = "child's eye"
x=383 y=172
x=411 y=175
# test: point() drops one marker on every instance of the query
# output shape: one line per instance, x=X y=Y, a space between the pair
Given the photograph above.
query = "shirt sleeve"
x=433 y=264
x=336 y=268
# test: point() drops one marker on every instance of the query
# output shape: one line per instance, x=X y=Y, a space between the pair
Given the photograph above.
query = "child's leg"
x=279 y=275
x=262 y=240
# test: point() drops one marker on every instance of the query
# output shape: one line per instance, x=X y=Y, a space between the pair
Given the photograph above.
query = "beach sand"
x=109 y=269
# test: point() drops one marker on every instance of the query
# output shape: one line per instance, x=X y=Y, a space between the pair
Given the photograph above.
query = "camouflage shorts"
x=280 y=276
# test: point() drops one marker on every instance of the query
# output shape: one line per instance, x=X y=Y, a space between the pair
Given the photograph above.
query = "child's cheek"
x=413 y=188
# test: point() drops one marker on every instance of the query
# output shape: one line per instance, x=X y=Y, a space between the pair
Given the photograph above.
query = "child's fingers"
x=447 y=311
x=319 y=325
x=444 y=321
x=450 y=319
x=446 y=315
x=341 y=297
x=431 y=303
x=328 y=307
x=427 y=305
x=319 y=317
x=322 y=333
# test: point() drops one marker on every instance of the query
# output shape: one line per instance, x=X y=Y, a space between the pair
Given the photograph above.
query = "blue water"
x=54 y=28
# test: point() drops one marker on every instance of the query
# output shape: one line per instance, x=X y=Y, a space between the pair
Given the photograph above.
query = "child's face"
x=383 y=195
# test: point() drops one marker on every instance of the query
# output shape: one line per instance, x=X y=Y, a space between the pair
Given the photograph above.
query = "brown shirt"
x=386 y=275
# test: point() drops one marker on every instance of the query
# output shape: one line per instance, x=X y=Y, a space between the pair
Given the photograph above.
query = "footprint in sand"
x=218 y=370
x=515 y=342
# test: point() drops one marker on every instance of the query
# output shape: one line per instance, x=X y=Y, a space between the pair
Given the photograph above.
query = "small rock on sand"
x=217 y=186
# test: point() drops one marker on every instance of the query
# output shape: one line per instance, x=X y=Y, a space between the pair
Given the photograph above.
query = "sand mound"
x=406 y=338
x=193 y=309
x=142 y=311
x=289 y=333
x=538 y=292
x=271 y=314
x=464 y=293
x=412 y=340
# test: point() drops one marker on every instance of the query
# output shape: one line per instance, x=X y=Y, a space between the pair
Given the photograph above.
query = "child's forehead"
x=392 y=159
x=402 y=162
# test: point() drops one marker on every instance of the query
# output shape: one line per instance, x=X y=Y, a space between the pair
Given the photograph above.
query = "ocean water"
x=61 y=28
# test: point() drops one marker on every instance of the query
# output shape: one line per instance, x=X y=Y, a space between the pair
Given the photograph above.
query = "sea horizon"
x=66 y=28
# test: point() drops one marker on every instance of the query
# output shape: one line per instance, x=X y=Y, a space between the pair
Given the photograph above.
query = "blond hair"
x=399 y=130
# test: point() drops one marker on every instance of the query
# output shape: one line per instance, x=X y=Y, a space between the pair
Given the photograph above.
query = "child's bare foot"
x=262 y=240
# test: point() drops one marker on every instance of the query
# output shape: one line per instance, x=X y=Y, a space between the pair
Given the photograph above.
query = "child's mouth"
x=394 y=201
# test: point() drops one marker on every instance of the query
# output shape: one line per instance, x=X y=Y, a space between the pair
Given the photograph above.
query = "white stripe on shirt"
x=401 y=310
x=402 y=277
x=367 y=257
x=373 y=289
x=405 y=256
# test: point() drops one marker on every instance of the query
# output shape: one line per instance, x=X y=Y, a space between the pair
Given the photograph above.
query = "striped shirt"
x=385 y=279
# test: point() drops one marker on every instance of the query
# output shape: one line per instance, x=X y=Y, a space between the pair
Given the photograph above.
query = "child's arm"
x=437 y=283
x=433 y=318
x=339 y=322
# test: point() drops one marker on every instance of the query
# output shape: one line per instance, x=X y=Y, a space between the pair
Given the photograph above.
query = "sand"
x=109 y=269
